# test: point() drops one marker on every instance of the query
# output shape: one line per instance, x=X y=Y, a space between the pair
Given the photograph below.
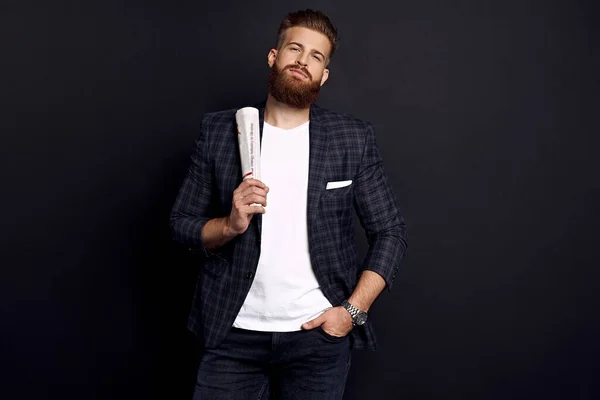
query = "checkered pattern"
x=341 y=148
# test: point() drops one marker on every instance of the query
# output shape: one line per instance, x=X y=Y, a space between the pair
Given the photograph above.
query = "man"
x=281 y=298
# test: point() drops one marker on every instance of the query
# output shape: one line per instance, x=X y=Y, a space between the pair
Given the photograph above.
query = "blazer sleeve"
x=191 y=210
x=378 y=212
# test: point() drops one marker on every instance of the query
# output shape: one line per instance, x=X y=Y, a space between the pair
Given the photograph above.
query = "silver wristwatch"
x=359 y=317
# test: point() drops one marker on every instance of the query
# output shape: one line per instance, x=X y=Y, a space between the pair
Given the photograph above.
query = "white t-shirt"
x=285 y=292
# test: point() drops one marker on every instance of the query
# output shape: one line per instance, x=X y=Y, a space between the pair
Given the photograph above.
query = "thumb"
x=314 y=323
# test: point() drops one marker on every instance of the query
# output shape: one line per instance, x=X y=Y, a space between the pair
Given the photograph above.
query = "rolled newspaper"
x=249 y=141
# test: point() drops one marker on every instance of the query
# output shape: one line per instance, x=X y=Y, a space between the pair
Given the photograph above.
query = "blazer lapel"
x=316 y=167
x=261 y=122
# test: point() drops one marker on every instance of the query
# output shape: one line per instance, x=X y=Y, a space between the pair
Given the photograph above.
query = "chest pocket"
x=338 y=198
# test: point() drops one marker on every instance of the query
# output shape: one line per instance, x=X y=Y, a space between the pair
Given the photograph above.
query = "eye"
x=295 y=49
x=316 y=57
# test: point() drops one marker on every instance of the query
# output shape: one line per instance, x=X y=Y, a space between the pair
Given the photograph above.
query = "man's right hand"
x=219 y=231
x=250 y=191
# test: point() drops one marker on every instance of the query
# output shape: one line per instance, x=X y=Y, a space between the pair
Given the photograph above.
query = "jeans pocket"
x=330 y=337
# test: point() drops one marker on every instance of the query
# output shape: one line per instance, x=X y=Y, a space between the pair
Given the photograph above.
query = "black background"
x=486 y=115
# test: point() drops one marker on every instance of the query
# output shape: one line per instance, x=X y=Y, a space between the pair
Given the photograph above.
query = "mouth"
x=298 y=72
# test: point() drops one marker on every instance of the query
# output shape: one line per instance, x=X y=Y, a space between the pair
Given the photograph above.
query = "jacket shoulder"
x=339 y=119
x=221 y=116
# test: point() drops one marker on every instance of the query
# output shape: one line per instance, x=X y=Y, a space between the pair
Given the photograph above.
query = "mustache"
x=303 y=70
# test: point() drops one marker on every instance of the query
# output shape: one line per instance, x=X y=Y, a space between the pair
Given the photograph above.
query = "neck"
x=283 y=116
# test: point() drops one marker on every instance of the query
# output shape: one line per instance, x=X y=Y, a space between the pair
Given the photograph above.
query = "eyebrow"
x=302 y=46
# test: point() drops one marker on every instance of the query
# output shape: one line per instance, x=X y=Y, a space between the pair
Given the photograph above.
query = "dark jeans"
x=275 y=365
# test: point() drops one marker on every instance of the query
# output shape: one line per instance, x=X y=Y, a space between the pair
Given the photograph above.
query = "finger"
x=251 y=208
x=254 y=210
x=254 y=199
x=253 y=190
x=314 y=323
x=253 y=182
x=259 y=209
x=245 y=189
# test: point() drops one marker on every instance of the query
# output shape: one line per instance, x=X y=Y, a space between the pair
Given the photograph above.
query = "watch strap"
x=354 y=312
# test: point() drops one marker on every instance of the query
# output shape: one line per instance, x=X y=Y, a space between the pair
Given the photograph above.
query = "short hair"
x=311 y=19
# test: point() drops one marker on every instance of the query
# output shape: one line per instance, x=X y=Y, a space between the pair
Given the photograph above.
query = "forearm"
x=378 y=211
x=216 y=233
x=369 y=286
x=386 y=250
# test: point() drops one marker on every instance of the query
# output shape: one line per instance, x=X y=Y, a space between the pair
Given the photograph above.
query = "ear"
x=325 y=76
x=271 y=57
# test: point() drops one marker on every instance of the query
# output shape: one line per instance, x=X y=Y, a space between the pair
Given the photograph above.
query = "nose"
x=301 y=61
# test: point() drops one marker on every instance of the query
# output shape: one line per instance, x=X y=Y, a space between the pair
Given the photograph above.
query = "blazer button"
x=250 y=275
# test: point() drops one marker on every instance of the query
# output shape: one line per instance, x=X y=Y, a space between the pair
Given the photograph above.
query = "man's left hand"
x=336 y=322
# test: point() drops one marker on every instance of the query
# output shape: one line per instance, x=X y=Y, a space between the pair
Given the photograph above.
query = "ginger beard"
x=290 y=90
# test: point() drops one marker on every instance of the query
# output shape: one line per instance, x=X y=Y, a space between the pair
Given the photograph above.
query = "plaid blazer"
x=341 y=148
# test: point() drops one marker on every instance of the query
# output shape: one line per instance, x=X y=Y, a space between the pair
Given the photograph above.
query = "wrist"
x=359 y=316
x=228 y=231
x=358 y=304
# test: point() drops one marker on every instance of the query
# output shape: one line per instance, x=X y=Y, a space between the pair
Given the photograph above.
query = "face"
x=299 y=67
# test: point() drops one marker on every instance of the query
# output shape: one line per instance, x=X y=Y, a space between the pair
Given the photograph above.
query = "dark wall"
x=486 y=114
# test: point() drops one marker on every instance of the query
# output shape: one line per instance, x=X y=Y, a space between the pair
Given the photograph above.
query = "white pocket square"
x=338 y=184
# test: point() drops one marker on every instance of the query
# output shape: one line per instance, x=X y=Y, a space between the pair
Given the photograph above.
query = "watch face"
x=361 y=318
